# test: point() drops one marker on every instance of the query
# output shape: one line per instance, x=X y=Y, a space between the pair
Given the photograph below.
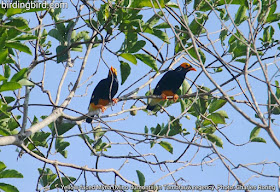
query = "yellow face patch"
x=185 y=65
x=113 y=70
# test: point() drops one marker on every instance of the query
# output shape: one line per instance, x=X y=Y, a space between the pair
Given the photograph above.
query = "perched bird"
x=169 y=84
x=103 y=94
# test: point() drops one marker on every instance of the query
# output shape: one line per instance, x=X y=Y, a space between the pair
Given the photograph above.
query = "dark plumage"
x=103 y=93
x=170 y=83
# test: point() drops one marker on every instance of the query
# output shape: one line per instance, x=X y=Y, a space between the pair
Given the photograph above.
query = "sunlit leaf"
x=19 y=46
x=10 y=173
x=258 y=139
x=19 y=75
x=255 y=132
x=9 y=86
x=148 y=60
x=215 y=140
x=129 y=57
x=167 y=146
x=240 y=15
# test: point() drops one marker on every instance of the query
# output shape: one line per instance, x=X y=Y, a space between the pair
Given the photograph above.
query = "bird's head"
x=186 y=67
x=112 y=71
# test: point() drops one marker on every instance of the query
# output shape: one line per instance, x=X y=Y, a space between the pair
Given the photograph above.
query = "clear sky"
x=237 y=129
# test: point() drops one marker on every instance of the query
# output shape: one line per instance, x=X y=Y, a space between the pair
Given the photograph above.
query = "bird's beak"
x=192 y=69
x=113 y=70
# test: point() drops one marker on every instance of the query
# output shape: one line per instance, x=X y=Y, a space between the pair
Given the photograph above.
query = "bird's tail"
x=150 y=107
x=89 y=120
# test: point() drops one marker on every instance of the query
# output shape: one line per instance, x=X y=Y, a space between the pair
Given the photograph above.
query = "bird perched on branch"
x=103 y=94
x=169 y=84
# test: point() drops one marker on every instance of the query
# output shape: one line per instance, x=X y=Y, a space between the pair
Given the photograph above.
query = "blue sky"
x=237 y=130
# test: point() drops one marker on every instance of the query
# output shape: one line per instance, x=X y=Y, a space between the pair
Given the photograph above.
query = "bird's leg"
x=164 y=97
x=115 y=100
x=175 y=97
x=103 y=108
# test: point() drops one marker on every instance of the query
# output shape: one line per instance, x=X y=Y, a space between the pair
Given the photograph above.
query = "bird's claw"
x=175 y=98
x=164 y=97
x=115 y=100
x=102 y=109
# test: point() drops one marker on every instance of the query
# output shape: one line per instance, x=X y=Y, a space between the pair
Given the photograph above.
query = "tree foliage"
x=233 y=45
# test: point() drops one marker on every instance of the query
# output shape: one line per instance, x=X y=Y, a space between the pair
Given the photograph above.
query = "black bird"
x=103 y=94
x=169 y=84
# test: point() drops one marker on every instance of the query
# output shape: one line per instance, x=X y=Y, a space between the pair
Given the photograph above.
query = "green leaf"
x=156 y=130
x=137 y=46
x=19 y=75
x=216 y=104
x=25 y=37
x=147 y=3
x=13 y=124
x=47 y=177
x=240 y=15
x=3 y=55
x=25 y=82
x=207 y=130
x=255 y=132
x=146 y=129
x=174 y=128
x=64 y=127
x=141 y=178
x=202 y=5
x=275 y=110
x=19 y=46
x=215 y=140
x=148 y=60
x=65 y=182
x=268 y=34
x=7 y=71
x=7 y=187
x=223 y=36
x=172 y=4
x=9 y=86
x=125 y=71
x=194 y=55
x=2 y=166
x=167 y=146
x=60 y=146
x=19 y=23
x=39 y=138
x=2 y=78
x=13 y=11
x=9 y=99
x=154 y=19
x=4 y=131
x=57 y=35
x=258 y=139
x=129 y=57
x=162 y=26
x=158 y=33
x=217 y=118
x=61 y=53
x=196 y=25
x=10 y=173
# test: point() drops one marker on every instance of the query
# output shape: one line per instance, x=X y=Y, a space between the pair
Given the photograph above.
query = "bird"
x=169 y=84
x=103 y=94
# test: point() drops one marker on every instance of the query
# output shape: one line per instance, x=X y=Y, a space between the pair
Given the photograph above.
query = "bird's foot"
x=103 y=108
x=175 y=98
x=164 y=97
x=115 y=100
